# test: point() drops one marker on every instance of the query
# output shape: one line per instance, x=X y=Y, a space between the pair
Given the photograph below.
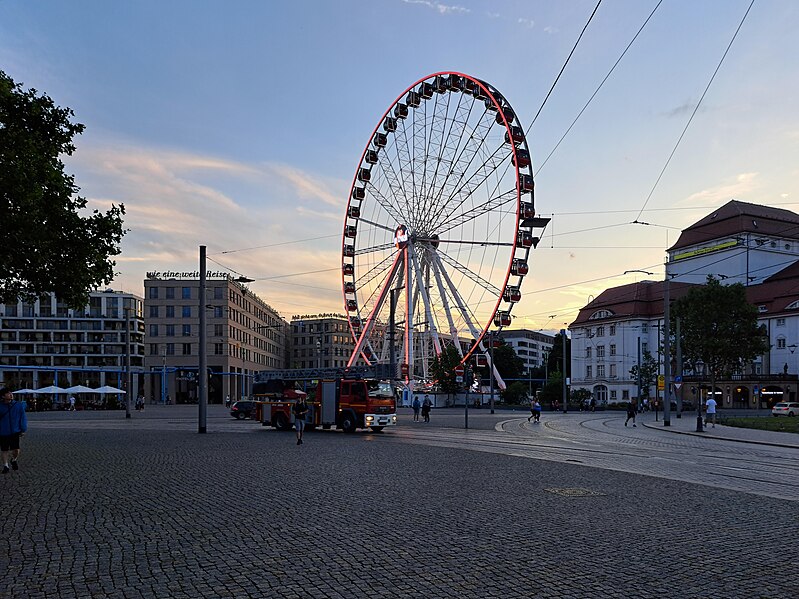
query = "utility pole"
x=565 y=390
x=666 y=353
x=202 y=375
x=638 y=407
x=679 y=367
x=491 y=366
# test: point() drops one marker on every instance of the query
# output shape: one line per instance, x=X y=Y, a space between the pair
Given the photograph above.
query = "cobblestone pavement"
x=108 y=507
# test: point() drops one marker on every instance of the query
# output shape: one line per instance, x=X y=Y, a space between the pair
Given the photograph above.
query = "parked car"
x=785 y=408
x=243 y=409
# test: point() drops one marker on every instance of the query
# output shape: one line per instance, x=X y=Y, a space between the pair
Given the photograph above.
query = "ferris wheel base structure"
x=439 y=226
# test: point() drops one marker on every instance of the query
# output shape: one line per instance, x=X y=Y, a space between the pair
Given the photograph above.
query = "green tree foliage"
x=442 y=368
x=509 y=365
x=553 y=390
x=48 y=245
x=649 y=373
x=514 y=393
x=718 y=327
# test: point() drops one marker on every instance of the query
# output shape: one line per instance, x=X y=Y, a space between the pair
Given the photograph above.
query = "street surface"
x=578 y=506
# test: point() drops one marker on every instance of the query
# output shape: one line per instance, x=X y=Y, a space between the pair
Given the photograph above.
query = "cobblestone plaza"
x=104 y=507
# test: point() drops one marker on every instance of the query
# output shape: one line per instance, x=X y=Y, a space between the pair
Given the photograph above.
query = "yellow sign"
x=707 y=250
x=661 y=382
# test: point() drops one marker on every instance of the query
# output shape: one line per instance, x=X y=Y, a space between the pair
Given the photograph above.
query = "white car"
x=785 y=408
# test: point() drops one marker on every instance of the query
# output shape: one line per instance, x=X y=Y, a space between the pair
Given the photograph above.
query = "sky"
x=239 y=124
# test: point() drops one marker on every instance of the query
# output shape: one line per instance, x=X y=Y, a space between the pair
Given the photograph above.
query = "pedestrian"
x=710 y=411
x=71 y=403
x=631 y=409
x=426 y=405
x=13 y=424
x=300 y=409
x=593 y=404
x=227 y=401
x=416 y=405
x=535 y=410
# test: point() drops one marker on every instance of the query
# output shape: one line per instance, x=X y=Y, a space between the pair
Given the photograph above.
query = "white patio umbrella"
x=21 y=391
x=80 y=389
x=107 y=389
x=50 y=389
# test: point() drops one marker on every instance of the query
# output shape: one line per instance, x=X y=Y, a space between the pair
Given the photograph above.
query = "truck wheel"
x=348 y=423
x=281 y=423
x=377 y=429
x=240 y=415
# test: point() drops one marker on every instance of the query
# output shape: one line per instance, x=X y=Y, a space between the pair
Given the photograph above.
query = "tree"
x=555 y=359
x=553 y=390
x=48 y=245
x=514 y=393
x=442 y=368
x=649 y=373
x=718 y=327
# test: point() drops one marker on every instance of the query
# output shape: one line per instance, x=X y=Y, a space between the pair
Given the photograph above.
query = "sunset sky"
x=239 y=124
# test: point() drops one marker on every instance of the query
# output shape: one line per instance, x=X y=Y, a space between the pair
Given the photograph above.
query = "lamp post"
x=202 y=375
x=700 y=366
x=565 y=390
x=666 y=352
x=491 y=368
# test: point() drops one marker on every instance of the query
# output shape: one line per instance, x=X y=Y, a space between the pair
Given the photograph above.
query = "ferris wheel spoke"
x=442 y=292
x=422 y=289
x=491 y=204
x=437 y=129
x=375 y=271
x=463 y=309
x=384 y=199
x=487 y=285
x=372 y=318
x=375 y=248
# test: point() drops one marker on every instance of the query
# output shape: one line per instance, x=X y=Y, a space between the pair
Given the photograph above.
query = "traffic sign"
x=677 y=385
x=404 y=369
x=661 y=382
x=459 y=378
x=459 y=370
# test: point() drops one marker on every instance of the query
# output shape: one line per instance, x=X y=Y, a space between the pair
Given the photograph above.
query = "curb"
x=695 y=434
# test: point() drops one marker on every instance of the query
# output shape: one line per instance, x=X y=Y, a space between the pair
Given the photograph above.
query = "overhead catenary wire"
x=693 y=114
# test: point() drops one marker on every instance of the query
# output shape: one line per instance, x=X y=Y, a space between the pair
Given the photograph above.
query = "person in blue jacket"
x=13 y=423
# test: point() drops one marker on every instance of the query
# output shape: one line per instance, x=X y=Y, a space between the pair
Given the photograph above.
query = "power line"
x=696 y=108
x=596 y=91
x=563 y=68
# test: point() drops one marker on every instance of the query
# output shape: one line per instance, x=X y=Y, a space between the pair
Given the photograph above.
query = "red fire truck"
x=345 y=399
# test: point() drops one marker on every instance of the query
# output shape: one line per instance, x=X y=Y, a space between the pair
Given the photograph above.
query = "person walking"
x=426 y=405
x=631 y=409
x=416 y=405
x=535 y=410
x=300 y=409
x=13 y=424
x=71 y=403
x=710 y=411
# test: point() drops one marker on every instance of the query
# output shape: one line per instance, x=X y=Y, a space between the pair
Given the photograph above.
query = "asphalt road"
x=146 y=507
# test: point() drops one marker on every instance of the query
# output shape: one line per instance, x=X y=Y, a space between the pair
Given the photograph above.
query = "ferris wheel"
x=439 y=225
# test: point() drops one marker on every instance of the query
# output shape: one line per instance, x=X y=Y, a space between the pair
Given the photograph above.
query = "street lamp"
x=128 y=378
x=700 y=366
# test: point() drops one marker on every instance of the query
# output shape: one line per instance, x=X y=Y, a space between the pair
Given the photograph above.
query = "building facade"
x=45 y=342
x=532 y=347
x=757 y=246
x=244 y=335
x=320 y=341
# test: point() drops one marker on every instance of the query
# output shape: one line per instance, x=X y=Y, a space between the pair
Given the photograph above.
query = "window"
x=170 y=330
x=612 y=332
x=600 y=331
x=217 y=349
x=612 y=349
x=625 y=395
x=219 y=293
x=613 y=395
x=153 y=311
x=644 y=348
x=186 y=311
x=219 y=311
x=187 y=330
x=588 y=352
x=612 y=370
x=644 y=327
x=588 y=371
x=780 y=342
x=187 y=349
x=600 y=370
x=170 y=293
x=219 y=330
x=170 y=311
x=780 y=322
x=600 y=351
x=153 y=330
x=153 y=349
x=170 y=349
x=185 y=293
x=153 y=293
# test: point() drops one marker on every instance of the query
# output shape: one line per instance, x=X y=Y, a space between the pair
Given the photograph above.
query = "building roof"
x=643 y=299
x=735 y=218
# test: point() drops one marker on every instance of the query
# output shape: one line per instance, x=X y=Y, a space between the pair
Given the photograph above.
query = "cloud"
x=442 y=9
x=742 y=186
x=526 y=22
x=306 y=185
x=551 y=30
x=683 y=110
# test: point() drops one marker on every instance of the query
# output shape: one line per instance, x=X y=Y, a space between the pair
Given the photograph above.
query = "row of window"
x=185 y=292
x=600 y=350
x=600 y=371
